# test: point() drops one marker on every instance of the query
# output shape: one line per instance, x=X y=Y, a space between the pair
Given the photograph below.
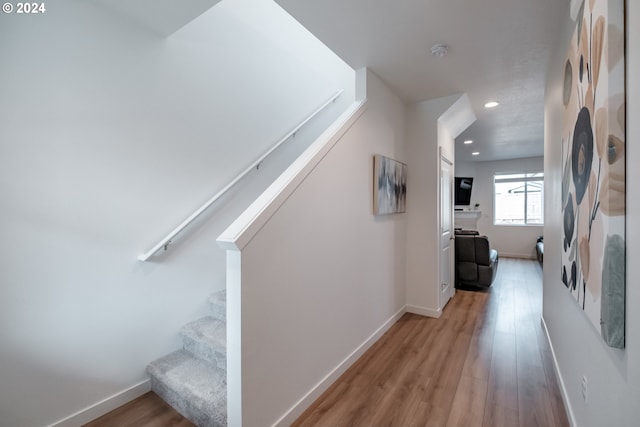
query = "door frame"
x=443 y=297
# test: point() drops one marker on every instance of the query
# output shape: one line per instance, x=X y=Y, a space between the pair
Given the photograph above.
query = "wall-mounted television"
x=463 y=188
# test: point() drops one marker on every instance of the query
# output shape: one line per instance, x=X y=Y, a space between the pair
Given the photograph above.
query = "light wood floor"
x=485 y=362
x=146 y=411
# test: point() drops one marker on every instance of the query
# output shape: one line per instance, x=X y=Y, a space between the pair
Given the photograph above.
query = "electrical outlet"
x=584 y=389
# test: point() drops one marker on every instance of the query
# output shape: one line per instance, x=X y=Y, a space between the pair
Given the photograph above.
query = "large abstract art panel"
x=593 y=183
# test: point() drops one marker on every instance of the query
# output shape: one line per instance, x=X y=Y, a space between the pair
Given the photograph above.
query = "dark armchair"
x=540 y=249
x=476 y=262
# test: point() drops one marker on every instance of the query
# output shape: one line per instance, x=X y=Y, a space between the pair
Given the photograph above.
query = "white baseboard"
x=518 y=256
x=104 y=406
x=292 y=414
x=423 y=311
x=563 y=389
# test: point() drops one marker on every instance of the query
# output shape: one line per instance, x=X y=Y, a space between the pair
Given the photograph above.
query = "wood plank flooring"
x=485 y=362
x=148 y=410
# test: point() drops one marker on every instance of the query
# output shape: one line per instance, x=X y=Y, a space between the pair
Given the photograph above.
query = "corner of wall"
x=430 y=125
x=361 y=84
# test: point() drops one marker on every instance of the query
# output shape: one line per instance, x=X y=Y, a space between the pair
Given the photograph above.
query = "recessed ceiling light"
x=468 y=141
x=439 y=50
x=475 y=153
x=491 y=104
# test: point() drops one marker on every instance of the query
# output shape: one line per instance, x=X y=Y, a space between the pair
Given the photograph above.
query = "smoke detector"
x=439 y=50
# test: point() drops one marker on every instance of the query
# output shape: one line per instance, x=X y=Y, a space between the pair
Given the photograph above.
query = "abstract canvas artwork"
x=390 y=185
x=593 y=183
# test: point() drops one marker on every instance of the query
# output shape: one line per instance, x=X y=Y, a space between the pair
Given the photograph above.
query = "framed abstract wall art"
x=594 y=168
x=389 y=185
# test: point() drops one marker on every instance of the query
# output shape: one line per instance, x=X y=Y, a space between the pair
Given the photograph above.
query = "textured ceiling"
x=499 y=49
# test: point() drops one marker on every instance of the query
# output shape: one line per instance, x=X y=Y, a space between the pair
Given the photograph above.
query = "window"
x=518 y=199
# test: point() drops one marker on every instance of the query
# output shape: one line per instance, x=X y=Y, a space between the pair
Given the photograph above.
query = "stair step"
x=218 y=304
x=192 y=387
x=206 y=339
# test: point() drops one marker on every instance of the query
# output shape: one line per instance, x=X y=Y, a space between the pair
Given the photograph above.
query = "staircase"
x=193 y=380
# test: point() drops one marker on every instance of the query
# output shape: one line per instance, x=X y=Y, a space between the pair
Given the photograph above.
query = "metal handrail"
x=166 y=241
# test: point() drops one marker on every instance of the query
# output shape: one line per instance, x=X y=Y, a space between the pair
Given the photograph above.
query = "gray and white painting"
x=390 y=186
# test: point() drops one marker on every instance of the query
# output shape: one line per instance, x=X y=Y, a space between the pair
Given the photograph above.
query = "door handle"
x=452 y=238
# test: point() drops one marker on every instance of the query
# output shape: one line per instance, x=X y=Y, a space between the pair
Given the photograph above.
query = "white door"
x=446 y=262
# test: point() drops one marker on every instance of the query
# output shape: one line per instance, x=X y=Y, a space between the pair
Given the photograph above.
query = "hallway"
x=485 y=362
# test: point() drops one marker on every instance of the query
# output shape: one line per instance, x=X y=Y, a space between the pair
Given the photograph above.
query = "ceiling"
x=499 y=50
x=163 y=17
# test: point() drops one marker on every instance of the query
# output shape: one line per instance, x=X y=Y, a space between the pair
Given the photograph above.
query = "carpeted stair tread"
x=194 y=380
x=206 y=338
x=192 y=386
x=218 y=304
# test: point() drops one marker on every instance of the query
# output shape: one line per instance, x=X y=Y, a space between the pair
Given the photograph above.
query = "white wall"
x=426 y=133
x=323 y=274
x=613 y=375
x=110 y=137
x=510 y=241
